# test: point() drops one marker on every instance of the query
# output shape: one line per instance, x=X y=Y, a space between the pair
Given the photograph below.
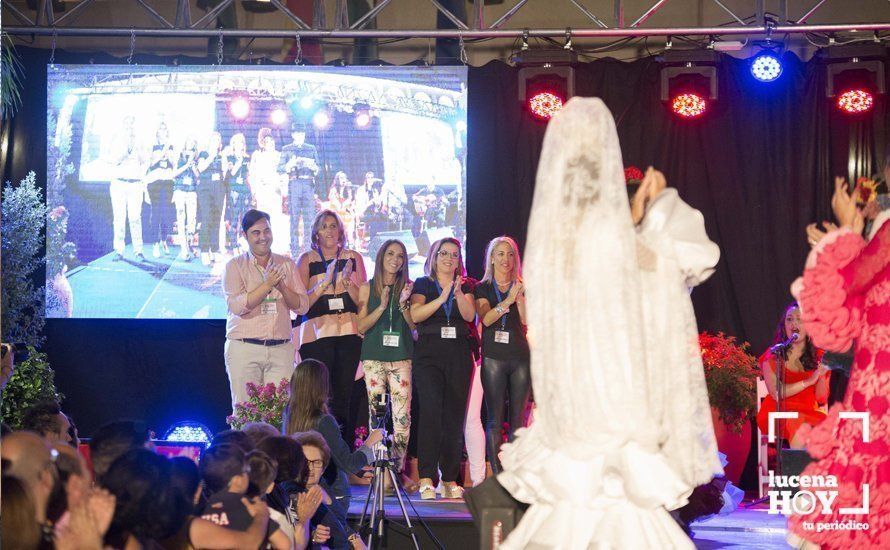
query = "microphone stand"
x=781 y=354
x=781 y=358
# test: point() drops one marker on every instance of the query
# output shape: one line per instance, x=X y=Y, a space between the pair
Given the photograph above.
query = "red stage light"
x=240 y=108
x=854 y=102
x=545 y=104
x=689 y=105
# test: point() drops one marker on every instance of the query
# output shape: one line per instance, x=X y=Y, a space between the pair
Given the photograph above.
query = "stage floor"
x=744 y=529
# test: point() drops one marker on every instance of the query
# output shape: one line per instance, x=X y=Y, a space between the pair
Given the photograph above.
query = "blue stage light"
x=189 y=432
x=766 y=67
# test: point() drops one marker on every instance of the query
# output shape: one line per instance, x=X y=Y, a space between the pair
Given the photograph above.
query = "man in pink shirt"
x=261 y=290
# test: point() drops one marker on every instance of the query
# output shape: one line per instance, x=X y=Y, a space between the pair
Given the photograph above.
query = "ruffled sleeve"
x=830 y=306
x=684 y=227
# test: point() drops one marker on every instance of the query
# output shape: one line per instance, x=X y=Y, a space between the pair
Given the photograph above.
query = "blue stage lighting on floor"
x=766 y=67
x=189 y=432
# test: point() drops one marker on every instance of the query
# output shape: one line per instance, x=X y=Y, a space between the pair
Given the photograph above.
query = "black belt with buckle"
x=264 y=342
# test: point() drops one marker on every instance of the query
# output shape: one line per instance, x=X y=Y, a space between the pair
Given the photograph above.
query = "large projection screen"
x=151 y=167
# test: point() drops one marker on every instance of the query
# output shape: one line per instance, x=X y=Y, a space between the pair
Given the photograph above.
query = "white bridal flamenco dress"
x=592 y=466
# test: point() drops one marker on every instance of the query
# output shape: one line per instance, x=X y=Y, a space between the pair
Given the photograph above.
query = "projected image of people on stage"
x=154 y=167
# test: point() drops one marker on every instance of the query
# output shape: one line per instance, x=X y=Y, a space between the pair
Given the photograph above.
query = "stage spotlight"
x=546 y=80
x=189 y=432
x=362 y=120
x=321 y=120
x=545 y=104
x=239 y=107
x=689 y=105
x=855 y=102
x=766 y=67
x=278 y=117
x=857 y=70
x=689 y=81
x=306 y=103
x=362 y=116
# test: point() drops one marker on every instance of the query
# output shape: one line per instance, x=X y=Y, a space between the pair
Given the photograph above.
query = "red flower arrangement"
x=264 y=404
x=731 y=373
x=632 y=174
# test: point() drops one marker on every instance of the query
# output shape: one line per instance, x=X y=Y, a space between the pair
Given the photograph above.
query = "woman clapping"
x=443 y=307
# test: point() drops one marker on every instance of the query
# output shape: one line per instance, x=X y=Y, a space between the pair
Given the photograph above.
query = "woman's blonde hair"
x=316 y=227
x=489 y=258
x=310 y=386
x=430 y=266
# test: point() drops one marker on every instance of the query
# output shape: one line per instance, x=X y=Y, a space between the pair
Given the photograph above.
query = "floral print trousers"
x=393 y=377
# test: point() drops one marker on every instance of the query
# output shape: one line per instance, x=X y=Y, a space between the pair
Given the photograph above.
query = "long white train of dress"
x=675 y=256
x=591 y=465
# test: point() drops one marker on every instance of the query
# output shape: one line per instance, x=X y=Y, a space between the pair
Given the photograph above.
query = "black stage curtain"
x=759 y=166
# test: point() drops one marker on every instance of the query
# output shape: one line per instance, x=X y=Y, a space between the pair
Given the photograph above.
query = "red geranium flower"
x=632 y=174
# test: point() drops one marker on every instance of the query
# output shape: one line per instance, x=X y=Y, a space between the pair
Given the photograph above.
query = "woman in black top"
x=239 y=197
x=160 y=190
x=500 y=301
x=212 y=166
x=443 y=308
x=185 y=179
x=328 y=331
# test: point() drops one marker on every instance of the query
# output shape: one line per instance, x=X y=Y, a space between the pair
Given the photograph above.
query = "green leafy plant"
x=731 y=375
x=32 y=381
x=24 y=215
x=264 y=404
x=11 y=75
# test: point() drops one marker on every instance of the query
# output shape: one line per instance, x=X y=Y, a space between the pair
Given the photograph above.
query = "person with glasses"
x=307 y=409
x=318 y=456
x=443 y=307
x=500 y=301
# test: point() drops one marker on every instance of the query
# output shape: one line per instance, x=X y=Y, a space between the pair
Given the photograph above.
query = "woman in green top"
x=385 y=320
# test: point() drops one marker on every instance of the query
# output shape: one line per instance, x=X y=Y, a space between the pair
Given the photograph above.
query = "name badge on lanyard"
x=216 y=176
x=336 y=304
x=502 y=336
x=448 y=332
x=390 y=339
x=269 y=307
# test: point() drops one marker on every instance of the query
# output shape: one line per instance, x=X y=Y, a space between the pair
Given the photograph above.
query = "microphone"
x=782 y=346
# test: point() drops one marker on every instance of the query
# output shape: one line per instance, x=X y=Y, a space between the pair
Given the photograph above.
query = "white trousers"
x=126 y=203
x=474 y=433
x=186 y=211
x=258 y=364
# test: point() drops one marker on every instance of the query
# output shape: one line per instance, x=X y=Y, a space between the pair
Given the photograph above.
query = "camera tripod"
x=376 y=528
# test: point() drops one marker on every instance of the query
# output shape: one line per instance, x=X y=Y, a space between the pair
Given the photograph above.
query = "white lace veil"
x=590 y=465
x=583 y=308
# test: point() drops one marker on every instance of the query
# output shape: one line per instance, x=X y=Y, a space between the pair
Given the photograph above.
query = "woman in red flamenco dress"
x=805 y=379
x=845 y=297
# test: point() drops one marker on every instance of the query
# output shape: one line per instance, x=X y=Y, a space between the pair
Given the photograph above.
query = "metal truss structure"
x=47 y=22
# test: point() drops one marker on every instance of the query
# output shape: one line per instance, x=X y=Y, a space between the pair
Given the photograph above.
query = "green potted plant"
x=32 y=381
